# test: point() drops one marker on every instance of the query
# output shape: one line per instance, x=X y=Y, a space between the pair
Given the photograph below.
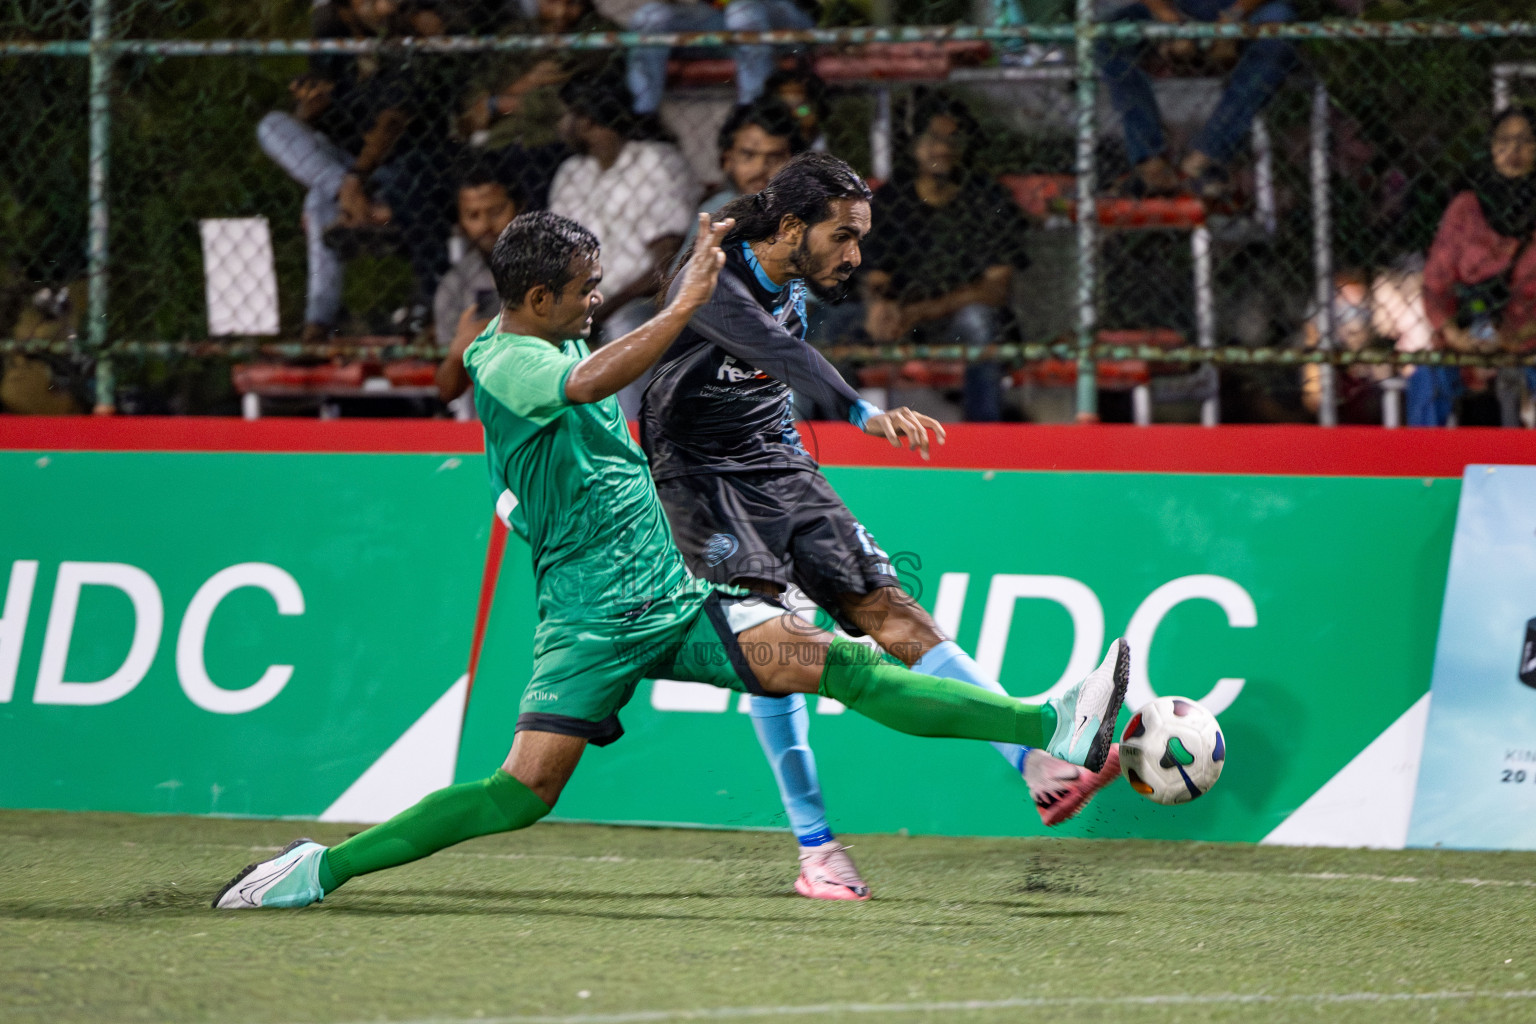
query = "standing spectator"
x=513 y=112
x=1480 y=278
x=940 y=258
x=1260 y=70
x=367 y=141
x=805 y=94
x=755 y=142
x=466 y=296
x=637 y=196
x=648 y=65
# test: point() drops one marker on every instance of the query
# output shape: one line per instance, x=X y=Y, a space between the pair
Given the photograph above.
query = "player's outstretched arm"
x=904 y=425
x=623 y=360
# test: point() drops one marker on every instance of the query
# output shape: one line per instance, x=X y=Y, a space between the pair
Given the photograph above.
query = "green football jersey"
x=580 y=486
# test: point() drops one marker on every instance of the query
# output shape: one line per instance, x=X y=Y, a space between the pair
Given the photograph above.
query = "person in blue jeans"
x=1262 y=67
x=647 y=75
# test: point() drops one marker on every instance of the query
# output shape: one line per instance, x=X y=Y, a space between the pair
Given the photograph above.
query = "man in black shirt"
x=748 y=505
x=941 y=257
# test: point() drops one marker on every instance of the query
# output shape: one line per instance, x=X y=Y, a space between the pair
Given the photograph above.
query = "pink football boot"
x=1061 y=789
x=827 y=873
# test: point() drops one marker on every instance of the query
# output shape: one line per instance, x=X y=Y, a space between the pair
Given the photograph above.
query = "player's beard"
x=803 y=262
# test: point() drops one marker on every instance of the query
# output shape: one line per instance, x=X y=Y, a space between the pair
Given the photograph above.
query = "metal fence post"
x=1322 y=254
x=1087 y=213
x=100 y=135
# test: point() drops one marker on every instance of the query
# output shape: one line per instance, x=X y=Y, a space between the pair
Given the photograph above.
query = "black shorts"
x=781 y=526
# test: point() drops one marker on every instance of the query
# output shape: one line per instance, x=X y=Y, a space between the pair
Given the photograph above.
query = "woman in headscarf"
x=1480 y=279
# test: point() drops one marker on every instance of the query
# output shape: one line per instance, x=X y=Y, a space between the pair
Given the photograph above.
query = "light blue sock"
x=783 y=727
x=948 y=661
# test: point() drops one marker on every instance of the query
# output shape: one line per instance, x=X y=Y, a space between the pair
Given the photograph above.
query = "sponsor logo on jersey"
x=737 y=372
x=720 y=547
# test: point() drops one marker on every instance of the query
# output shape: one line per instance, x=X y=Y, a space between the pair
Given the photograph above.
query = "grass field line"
x=984 y=1005
x=1336 y=876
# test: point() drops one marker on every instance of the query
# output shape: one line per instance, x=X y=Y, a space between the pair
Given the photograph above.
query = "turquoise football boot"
x=1085 y=714
x=291 y=879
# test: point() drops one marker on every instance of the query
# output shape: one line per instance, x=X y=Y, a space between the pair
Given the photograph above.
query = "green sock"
x=497 y=804
x=926 y=706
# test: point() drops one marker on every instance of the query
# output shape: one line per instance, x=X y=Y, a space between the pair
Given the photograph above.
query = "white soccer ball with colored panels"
x=1172 y=750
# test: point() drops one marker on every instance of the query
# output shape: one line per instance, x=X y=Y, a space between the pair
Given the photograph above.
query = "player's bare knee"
x=896 y=621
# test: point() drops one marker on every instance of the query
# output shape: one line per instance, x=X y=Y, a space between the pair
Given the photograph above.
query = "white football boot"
x=291 y=879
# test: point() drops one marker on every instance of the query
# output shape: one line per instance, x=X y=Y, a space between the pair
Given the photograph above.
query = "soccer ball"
x=1172 y=750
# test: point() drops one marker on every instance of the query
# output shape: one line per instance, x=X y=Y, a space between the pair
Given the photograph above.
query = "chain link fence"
x=1184 y=210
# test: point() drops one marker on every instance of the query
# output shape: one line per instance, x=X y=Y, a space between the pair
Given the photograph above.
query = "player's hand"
x=902 y=424
x=703 y=269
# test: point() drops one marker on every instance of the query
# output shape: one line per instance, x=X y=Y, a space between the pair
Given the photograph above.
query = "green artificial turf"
x=105 y=918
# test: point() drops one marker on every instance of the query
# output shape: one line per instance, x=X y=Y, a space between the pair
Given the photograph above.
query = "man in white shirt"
x=637 y=195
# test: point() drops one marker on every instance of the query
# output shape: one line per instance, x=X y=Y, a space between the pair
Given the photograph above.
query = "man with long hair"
x=749 y=506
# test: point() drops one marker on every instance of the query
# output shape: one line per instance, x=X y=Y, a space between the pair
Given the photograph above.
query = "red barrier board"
x=1280 y=450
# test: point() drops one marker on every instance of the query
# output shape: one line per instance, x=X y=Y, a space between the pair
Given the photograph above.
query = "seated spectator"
x=637 y=195
x=466 y=296
x=940 y=257
x=1261 y=68
x=513 y=113
x=755 y=142
x=805 y=94
x=1357 y=387
x=648 y=64
x=367 y=141
x=1480 y=278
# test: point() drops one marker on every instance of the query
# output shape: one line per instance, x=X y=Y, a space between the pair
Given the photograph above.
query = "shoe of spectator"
x=1213 y=184
x=1150 y=179
x=316 y=334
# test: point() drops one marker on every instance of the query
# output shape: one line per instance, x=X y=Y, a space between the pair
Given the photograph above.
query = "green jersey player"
x=616 y=603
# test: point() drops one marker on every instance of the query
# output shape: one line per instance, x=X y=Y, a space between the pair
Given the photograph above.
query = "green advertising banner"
x=232 y=633
x=1302 y=610
x=287 y=634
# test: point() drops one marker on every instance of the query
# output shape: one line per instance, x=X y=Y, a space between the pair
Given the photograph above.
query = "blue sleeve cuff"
x=860 y=413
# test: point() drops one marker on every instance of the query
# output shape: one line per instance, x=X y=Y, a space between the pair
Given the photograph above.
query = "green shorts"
x=583 y=673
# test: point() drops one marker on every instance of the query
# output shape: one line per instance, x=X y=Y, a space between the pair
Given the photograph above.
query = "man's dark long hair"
x=806 y=188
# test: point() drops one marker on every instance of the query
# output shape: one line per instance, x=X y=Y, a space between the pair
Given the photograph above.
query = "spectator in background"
x=755 y=142
x=805 y=94
x=367 y=141
x=1261 y=68
x=513 y=112
x=940 y=257
x=466 y=296
x=1357 y=394
x=637 y=195
x=1480 y=278
x=754 y=64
